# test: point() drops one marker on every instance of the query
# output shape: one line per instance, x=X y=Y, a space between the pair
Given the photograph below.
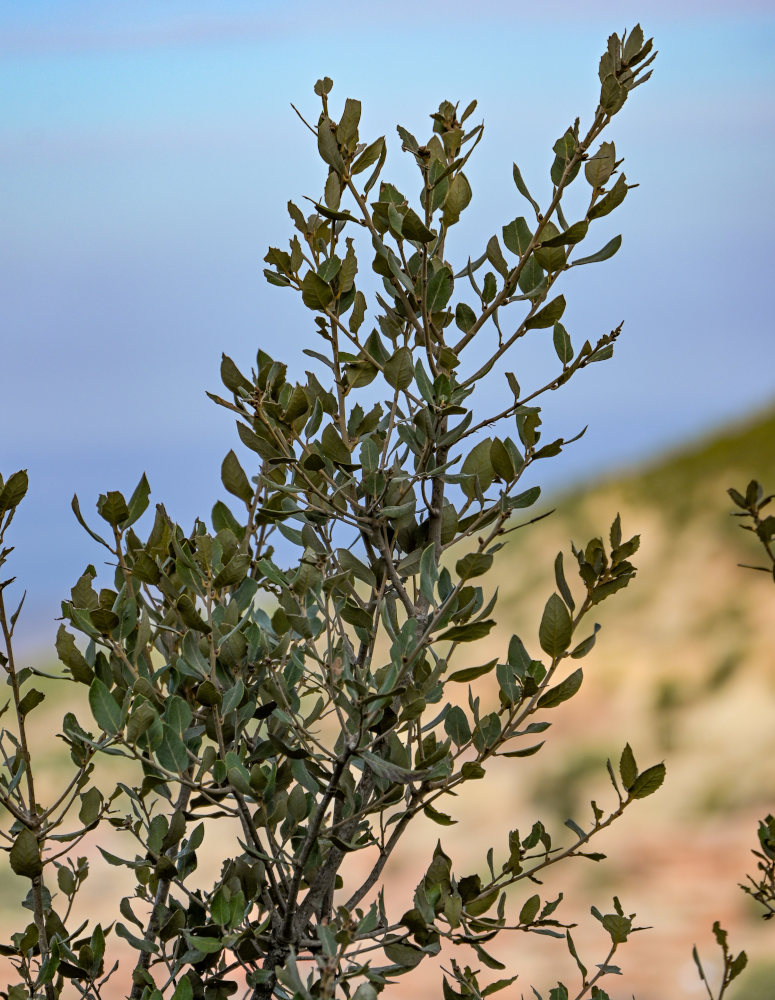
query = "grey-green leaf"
x=399 y=369
x=234 y=478
x=628 y=769
x=648 y=781
x=563 y=691
x=547 y=316
x=25 y=855
x=456 y=726
x=605 y=254
x=104 y=708
x=556 y=627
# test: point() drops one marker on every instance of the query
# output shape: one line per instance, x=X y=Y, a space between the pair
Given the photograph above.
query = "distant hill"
x=683 y=668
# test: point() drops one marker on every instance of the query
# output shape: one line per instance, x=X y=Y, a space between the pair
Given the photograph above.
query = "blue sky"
x=147 y=152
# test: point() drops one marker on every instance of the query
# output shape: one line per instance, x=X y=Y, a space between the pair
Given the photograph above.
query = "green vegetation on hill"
x=678 y=482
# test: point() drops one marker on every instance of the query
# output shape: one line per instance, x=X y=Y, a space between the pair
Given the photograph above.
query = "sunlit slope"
x=685 y=659
x=683 y=669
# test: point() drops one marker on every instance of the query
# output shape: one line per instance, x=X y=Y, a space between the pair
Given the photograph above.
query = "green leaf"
x=585 y=645
x=562 y=344
x=477 y=466
x=352 y=564
x=633 y=45
x=610 y=201
x=25 y=855
x=315 y=293
x=490 y=287
x=171 y=752
x=31 y=700
x=140 y=944
x=617 y=926
x=524 y=752
x=605 y=254
x=358 y=313
x=562 y=583
x=103 y=706
x=140 y=721
x=529 y=910
x=598 y=168
x=206 y=694
x=573 y=234
x=547 y=316
x=103 y=620
x=556 y=628
x=471 y=673
x=334 y=447
x=476 y=907
x=112 y=508
x=138 y=502
x=408 y=140
x=347 y=128
x=612 y=95
x=501 y=461
x=404 y=955
x=551 y=258
x=329 y=268
x=526 y=499
x=468 y=633
x=465 y=317
x=234 y=478
x=497 y=986
x=423 y=383
x=413 y=228
x=457 y=200
x=532 y=279
x=232 y=377
x=438 y=817
x=298 y=405
x=429 y=573
x=473 y=564
x=456 y=726
x=563 y=691
x=370 y=155
x=648 y=782
x=233 y=572
x=628 y=769
x=184 y=990
x=386 y=768
x=439 y=290
x=517 y=236
x=399 y=370
x=736 y=966
x=327 y=145
x=365 y=992
x=13 y=491
x=522 y=188
x=72 y=657
x=496 y=258
x=91 y=803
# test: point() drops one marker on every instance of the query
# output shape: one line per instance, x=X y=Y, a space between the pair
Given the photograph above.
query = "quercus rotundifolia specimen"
x=319 y=694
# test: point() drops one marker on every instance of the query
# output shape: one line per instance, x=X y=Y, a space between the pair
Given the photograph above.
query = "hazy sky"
x=147 y=152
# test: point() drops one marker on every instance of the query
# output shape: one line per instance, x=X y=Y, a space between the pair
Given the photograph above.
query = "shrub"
x=323 y=694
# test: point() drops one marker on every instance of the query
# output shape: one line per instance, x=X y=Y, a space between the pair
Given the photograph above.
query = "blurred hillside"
x=684 y=670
